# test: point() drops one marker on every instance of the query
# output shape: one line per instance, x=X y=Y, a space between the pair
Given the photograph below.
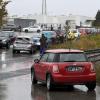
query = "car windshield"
x=22 y=40
x=36 y=40
x=72 y=57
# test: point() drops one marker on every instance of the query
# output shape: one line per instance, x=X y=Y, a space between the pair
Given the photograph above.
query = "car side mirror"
x=36 y=60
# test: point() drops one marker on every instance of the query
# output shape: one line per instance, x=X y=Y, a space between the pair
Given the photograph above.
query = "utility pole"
x=44 y=7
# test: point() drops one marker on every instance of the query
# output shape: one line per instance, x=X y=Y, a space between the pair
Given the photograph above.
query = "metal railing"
x=93 y=55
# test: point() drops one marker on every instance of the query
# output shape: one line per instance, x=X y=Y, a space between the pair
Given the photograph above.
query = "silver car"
x=23 y=43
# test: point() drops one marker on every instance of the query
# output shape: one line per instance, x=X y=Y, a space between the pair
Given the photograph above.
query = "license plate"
x=74 y=69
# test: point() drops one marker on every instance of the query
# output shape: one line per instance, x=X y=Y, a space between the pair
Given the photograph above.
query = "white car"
x=35 y=28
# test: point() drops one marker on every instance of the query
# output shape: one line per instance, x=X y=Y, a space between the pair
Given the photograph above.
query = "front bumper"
x=3 y=44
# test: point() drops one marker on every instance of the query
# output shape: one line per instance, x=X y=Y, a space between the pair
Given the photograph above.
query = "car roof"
x=36 y=38
x=63 y=50
x=23 y=37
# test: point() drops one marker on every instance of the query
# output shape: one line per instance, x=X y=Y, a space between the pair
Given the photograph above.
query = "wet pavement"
x=20 y=88
x=15 y=81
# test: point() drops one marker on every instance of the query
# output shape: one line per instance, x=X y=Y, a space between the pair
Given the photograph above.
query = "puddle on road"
x=19 y=88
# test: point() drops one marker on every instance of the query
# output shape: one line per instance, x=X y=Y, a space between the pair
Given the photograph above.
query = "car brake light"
x=92 y=68
x=55 y=69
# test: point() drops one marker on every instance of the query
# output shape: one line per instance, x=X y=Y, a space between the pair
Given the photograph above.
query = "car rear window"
x=72 y=57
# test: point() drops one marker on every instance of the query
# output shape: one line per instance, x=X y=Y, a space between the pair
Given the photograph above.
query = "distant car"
x=10 y=28
x=50 y=35
x=23 y=43
x=7 y=38
x=73 y=33
x=36 y=42
x=34 y=28
x=64 y=67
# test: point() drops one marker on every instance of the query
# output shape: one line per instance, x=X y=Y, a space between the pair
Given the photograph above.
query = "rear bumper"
x=81 y=79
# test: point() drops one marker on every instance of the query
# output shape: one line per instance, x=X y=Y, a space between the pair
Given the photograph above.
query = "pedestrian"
x=43 y=44
x=51 y=28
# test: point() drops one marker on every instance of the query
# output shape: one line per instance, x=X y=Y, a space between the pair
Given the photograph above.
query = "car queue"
x=26 y=42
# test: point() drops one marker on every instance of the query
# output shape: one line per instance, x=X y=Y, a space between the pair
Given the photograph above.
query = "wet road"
x=15 y=82
x=19 y=88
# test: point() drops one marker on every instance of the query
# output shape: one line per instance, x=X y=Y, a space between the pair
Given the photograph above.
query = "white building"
x=73 y=20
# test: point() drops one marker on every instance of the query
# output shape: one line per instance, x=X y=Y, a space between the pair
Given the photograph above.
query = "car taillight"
x=55 y=69
x=92 y=68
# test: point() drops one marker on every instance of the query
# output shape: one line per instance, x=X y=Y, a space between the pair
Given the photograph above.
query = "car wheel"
x=8 y=46
x=14 y=51
x=49 y=82
x=26 y=31
x=70 y=87
x=32 y=51
x=33 y=78
x=18 y=51
x=91 y=86
x=38 y=31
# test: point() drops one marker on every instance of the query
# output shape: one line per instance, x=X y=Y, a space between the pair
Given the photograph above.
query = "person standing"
x=43 y=44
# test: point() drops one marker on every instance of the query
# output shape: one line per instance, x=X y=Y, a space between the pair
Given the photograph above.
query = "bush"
x=85 y=42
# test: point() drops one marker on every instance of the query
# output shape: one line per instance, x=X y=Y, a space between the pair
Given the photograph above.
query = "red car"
x=64 y=67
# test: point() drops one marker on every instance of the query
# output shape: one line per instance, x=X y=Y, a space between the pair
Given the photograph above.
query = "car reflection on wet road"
x=20 y=88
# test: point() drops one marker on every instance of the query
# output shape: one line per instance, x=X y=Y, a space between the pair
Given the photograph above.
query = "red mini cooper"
x=64 y=67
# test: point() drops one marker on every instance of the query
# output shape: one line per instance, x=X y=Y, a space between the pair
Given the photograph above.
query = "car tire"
x=49 y=82
x=26 y=31
x=38 y=31
x=18 y=51
x=32 y=51
x=91 y=86
x=70 y=87
x=33 y=78
x=14 y=51
x=7 y=46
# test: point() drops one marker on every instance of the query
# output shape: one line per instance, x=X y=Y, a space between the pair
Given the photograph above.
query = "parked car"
x=10 y=28
x=36 y=42
x=73 y=33
x=23 y=43
x=64 y=67
x=50 y=35
x=34 y=28
x=7 y=38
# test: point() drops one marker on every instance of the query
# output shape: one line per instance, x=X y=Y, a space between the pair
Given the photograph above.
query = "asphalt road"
x=20 y=88
x=15 y=81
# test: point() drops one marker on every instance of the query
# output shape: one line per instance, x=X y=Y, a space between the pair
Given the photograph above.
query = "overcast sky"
x=54 y=7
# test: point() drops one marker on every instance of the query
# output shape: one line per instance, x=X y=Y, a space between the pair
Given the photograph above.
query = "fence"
x=93 y=55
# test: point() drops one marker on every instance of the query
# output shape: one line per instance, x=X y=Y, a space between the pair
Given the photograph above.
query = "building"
x=74 y=21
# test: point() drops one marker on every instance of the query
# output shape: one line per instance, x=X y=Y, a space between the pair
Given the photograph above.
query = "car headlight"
x=4 y=41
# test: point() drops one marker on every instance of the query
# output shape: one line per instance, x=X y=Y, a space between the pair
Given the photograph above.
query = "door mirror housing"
x=36 y=60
